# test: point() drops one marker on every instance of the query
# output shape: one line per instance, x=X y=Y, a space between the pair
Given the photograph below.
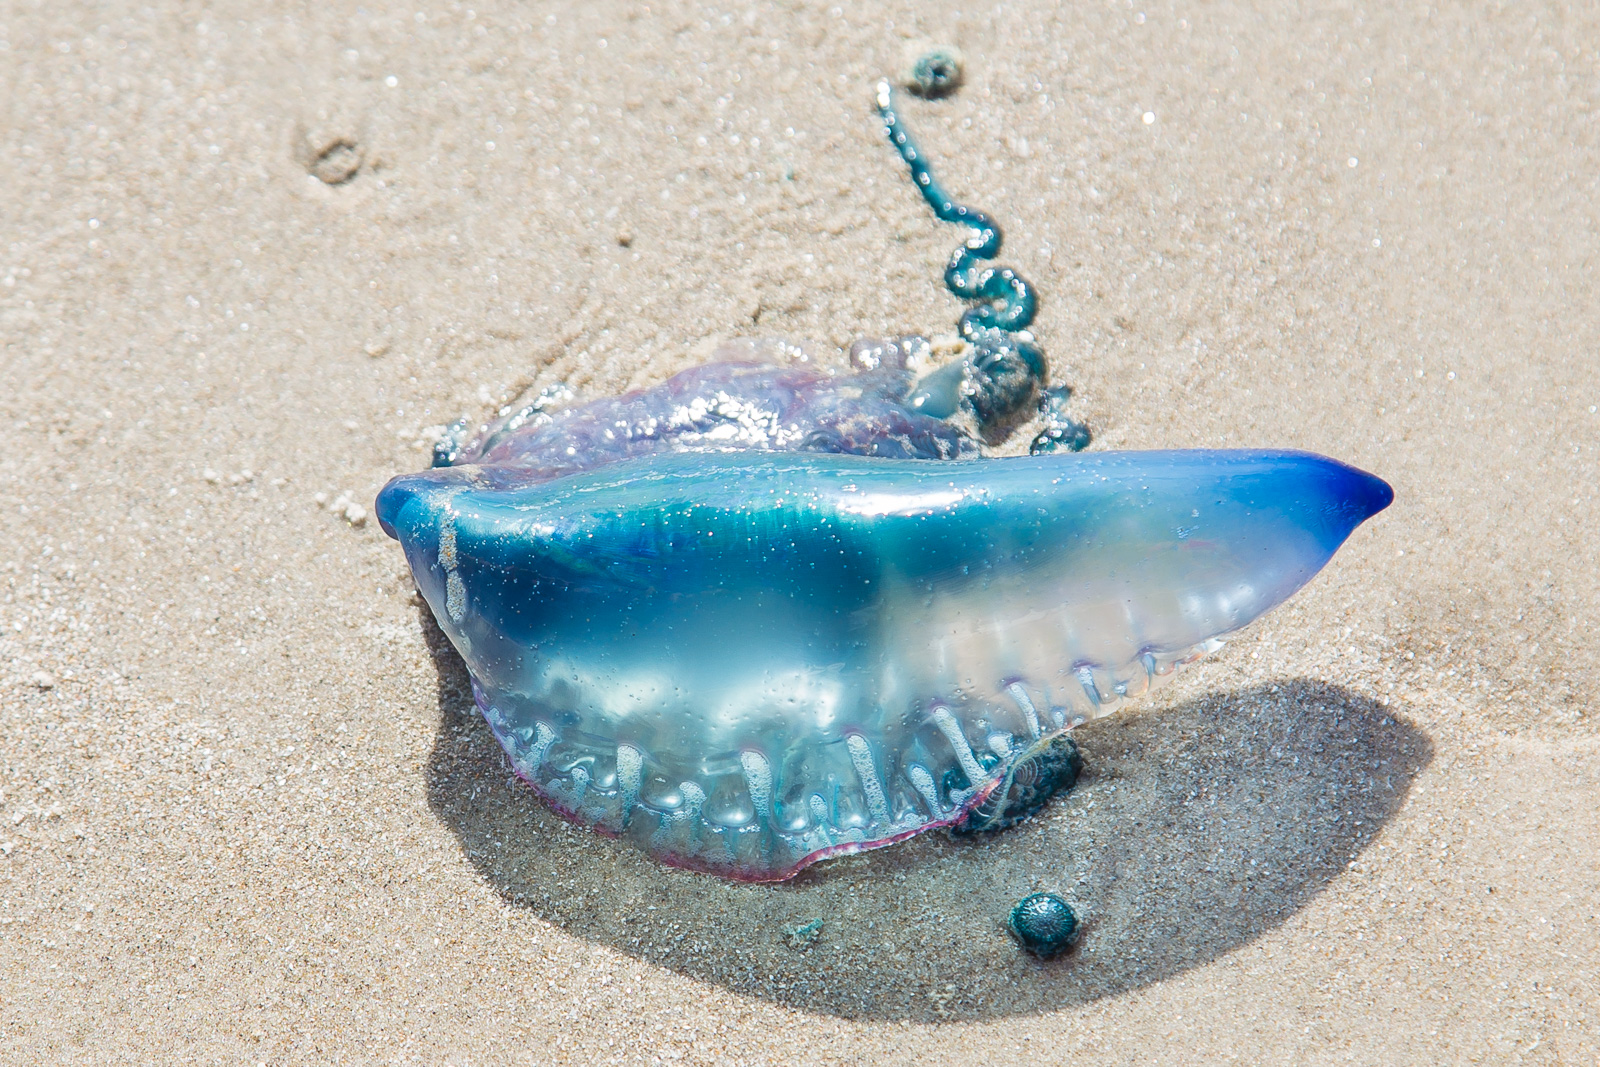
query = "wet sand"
x=249 y=259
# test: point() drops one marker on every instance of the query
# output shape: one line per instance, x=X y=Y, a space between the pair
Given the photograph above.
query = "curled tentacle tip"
x=1068 y=436
x=1044 y=924
x=932 y=70
x=1059 y=431
x=1044 y=769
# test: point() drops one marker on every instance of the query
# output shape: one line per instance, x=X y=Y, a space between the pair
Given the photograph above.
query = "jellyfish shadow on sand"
x=1194 y=829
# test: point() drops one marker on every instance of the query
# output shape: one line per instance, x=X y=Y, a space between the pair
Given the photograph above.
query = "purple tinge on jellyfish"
x=755 y=394
x=762 y=614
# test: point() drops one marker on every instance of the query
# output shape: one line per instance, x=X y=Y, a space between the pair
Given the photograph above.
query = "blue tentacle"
x=1008 y=301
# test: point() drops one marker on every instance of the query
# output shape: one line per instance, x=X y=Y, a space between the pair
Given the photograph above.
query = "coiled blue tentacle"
x=1005 y=370
x=1007 y=299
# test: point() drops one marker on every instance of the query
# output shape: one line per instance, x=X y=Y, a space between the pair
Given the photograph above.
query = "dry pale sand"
x=246 y=814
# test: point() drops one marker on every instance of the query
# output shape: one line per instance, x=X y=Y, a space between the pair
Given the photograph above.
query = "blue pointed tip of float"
x=1373 y=493
x=1349 y=496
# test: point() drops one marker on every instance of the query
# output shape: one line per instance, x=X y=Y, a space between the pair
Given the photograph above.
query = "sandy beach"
x=252 y=258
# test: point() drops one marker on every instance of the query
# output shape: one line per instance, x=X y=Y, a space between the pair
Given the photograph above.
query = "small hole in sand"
x=337 y=163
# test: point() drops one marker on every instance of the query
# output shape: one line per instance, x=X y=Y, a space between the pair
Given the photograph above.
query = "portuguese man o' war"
x=767 y=613
x=747 y=661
